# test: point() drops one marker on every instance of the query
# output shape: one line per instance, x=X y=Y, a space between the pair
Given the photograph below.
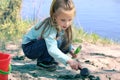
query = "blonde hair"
x=66 y=5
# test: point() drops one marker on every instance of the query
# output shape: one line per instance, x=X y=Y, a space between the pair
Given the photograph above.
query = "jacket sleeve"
x=53 y=50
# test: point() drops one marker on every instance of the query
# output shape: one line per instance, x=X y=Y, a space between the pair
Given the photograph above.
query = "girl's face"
x=64 y=18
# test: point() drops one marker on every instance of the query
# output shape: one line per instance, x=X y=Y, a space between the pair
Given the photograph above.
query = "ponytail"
x=52 y=8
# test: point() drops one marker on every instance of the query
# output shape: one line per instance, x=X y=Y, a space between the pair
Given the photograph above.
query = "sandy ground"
x=101 y=60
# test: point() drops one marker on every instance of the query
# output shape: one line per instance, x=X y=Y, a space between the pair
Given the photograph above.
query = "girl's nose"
x=67 y=24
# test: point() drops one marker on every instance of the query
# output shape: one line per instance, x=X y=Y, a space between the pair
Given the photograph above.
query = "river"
x=94 y=16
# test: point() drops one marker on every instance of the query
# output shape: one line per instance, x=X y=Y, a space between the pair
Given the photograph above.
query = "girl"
x=51 y=39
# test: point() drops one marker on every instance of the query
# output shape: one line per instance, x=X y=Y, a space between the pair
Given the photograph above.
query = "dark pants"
x=36 y=49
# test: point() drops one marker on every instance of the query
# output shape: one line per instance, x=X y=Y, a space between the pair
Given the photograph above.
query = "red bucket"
x=5 y=67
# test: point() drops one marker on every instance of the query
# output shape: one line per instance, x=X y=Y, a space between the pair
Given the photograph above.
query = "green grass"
x=13 y=31
x=79 y=35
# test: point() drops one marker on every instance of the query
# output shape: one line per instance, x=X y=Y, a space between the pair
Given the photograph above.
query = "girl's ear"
x=54 y=17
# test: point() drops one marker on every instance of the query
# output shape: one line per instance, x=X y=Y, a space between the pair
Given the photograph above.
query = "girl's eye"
x=63 y=20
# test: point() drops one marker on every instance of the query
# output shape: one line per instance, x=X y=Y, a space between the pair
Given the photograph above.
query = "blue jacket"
x=50 y=39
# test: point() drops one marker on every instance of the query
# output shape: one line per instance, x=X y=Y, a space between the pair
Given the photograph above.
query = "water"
x=98 y=16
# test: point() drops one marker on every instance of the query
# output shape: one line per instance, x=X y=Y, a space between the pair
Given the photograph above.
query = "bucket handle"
x=3 y=72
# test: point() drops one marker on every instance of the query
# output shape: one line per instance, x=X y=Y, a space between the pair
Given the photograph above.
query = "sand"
x=101 y=60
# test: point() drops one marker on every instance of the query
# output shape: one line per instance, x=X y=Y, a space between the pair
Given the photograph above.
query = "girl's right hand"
x=74 y=64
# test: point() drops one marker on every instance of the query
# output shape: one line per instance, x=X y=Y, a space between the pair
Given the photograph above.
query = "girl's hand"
x=74 y=64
